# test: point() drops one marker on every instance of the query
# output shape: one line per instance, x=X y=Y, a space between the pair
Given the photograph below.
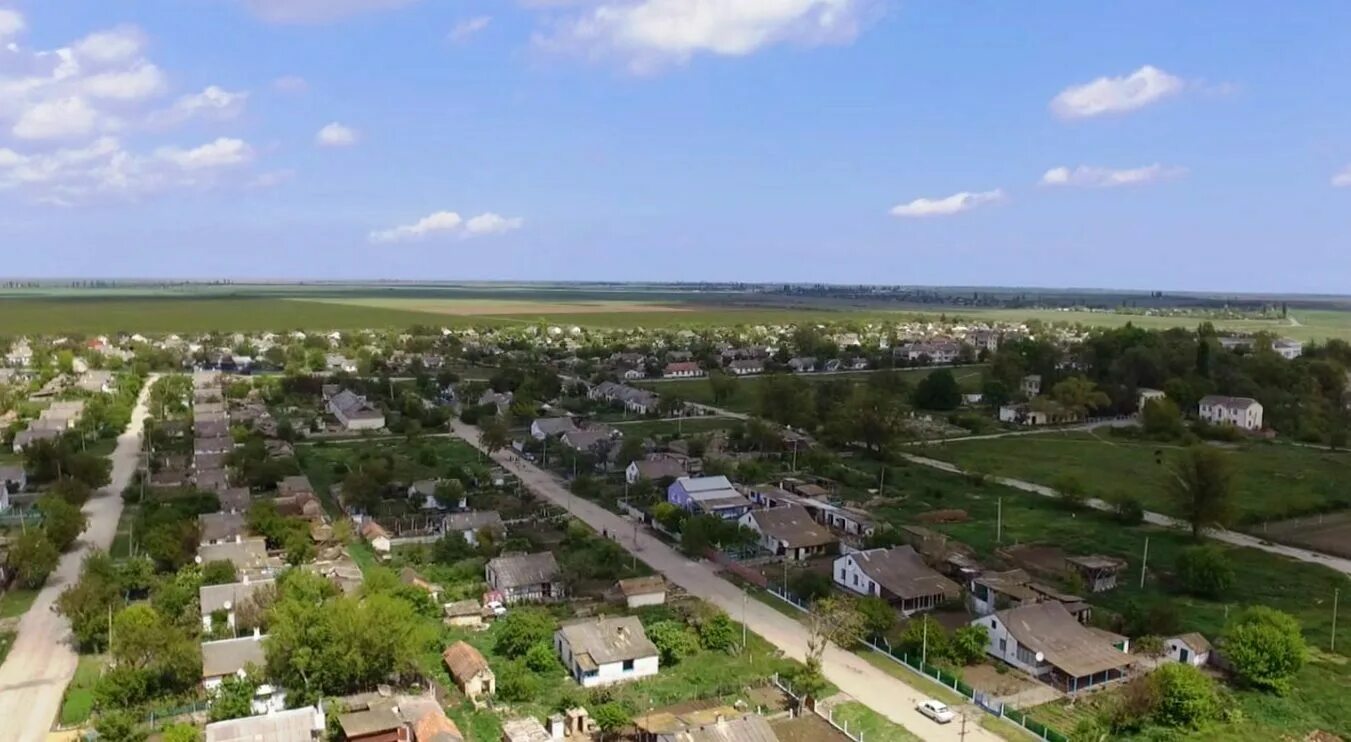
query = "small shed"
x=1191 y=648
x=469 y=670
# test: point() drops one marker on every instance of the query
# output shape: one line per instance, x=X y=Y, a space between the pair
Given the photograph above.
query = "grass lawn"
x=689 y=426
x=79 y=700
x=746 y=396
x=121 y=546
x=1314 y=324
x=1273 y=480
x=16 y=601
x=857 y=718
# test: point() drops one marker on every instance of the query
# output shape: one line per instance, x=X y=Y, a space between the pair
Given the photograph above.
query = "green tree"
x=718 y=633
x=1265 y=647
x=515 y=683
x=1079 y=396
x=62 y=521
x=88 y=603
x=522 y=629
x=809 y=586
x=234 y=698
x=673 y=640
x=968 y=644
x=119 y=726
x=71 y=490
x=32 y=557
x=1201 y=487
x=493 y=434
x=1161 y=418
x=878 y=615
x=1205 y=571
x=540 y=658
x=1071 y=489
x=219 y=572
x=723 y=386
x=923 y=637
x=611 y=717
x=938 y=391
x=1128 y=510
x=1186 y=696
x=448 y=493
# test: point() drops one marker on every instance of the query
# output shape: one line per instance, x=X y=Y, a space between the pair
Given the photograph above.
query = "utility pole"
x=924 y=646
x=881 y=479
x=1336 y=597
x=743 y=619
x=1143 y=562
x=998 y=531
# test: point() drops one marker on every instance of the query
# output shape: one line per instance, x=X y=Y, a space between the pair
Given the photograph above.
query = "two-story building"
x=1240 y=412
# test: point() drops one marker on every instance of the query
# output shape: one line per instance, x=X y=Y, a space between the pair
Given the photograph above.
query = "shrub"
x=1128 y=510
x=1185 y=696
x=515 y=683
x=522 y=629
x=1204 y=571
x=718 y=633
x=808 y=586
x=540 y=658
x=1265 y=647
x=672 y=640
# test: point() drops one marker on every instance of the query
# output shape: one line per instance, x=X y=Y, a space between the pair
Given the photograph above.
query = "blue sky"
x=1150 y=145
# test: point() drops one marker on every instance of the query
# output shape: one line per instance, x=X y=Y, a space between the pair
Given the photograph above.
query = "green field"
x=79 y=701
x=1273 y=481
x=858 y=718
x=16 y=601
x=1314 y=324
x=746 y=397
x=1303 y=590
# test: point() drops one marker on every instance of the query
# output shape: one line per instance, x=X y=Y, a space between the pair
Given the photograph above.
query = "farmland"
x=746 y=396
x=1320 y=324
x=1272 y=481
x=1303 y=590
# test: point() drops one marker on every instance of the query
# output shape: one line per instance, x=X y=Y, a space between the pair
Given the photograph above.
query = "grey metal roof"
x=220 y=526
x=792 y=525
x=902 y=571
x=747 y=728
x=229 y=656
x=524 y=569
x=292 y=725
x=1065 y=643
x=473 y=520
x=216 y=597
x=608 y=640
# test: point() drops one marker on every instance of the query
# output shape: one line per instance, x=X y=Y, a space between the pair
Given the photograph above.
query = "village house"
x=550 y=427
x=897 y=575
x=248 y=555
x=1098 y=572
x=1241 y=412
x=996 y=591
x=790 y=532
x=638 y=592
x=802 y=364
x=471 y=523
x=1192 y=649
x=293 y=486
x=525 y=729
x=682 y=370
x=708 y=495
x=633 y=399
x=409 y=576
x=464 y=613
x=25 y=438
x=379 y=724
x=235 y=500
x=522 y=578
x=746 y=367
x=375 y=535
x=227 y=599
x=1044 y=640
x=220 y=444
x=655 y=467
x=95 y=382
x=602 y=651
x=1144 y=396
x=469 y=670
x=354 y=412
x=305 y=724
x=227 y=657
x=936 y=352
x=219 y=528
x=1031 y=385
x=987 y=340
x=1288 y=348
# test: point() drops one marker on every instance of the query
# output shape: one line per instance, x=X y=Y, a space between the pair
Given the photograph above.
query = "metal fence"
x=943 y=677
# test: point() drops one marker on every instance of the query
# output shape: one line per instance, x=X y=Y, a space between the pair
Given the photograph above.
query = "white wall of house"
x=609 y=673
x=1247 y=418
x=1003 y=646
x=646 y=599
x=846 y=573
x=1178 y=651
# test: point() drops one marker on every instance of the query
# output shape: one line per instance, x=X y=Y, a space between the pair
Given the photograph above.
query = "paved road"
x=41 y=664
x=1115 y=422
x=852 y=674
x=1159 y=519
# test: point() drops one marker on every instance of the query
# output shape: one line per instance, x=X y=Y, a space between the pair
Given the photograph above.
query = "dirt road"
x=42 y=662
x=852 y=674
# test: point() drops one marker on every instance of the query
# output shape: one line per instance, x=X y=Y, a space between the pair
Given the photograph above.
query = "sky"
x=1148 y=145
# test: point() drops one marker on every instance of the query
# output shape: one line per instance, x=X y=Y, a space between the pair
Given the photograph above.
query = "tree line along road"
x=884 y=693
x=42 y=662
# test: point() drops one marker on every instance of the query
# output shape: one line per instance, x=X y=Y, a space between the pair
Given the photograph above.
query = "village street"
x=874 y=688
x=42 y=663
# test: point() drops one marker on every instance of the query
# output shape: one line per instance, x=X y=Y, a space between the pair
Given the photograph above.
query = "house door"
x=1182 y=654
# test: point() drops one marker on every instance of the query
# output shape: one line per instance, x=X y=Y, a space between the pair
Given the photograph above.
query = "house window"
x=1027 y=656
x=628 y=665
x=590 y=673
x=1003 y=645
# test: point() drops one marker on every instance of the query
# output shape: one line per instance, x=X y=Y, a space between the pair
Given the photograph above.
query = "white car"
x=496 y=607
x=936 y=710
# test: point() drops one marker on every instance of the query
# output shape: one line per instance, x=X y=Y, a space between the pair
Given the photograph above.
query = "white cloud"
x=113 y=46
x=224 y=152
x=93 y=86
x=1107 y=95
x=1101 y=177
x=650 y=34
x=468 y=27
x=290 y=84
x=105 y=168
x=954 y=204
x=213 y=102
x=491 y=223
x=447 y=223
x=65 y=118
x=318 y=11
x=336 y=135
x=11 y=23
x=1342 y=179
